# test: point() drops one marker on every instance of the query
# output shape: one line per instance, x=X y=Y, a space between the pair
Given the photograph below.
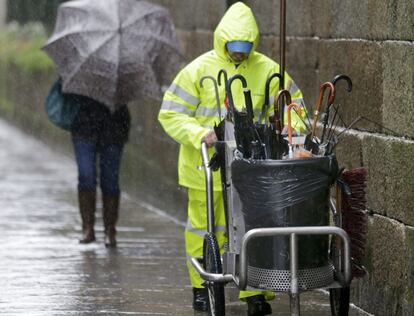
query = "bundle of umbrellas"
x=263 y=139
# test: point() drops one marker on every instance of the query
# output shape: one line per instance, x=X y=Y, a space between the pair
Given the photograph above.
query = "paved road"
x=45 y=271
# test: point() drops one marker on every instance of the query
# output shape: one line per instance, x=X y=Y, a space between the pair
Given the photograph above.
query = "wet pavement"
x=45 y=271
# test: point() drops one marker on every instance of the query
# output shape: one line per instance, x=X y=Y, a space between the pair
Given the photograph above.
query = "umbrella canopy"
x=114 y=51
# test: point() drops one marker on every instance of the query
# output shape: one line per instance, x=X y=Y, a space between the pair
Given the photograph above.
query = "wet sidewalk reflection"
x=45 y=271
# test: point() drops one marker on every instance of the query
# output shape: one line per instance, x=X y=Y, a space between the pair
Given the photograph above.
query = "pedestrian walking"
x=98 y=135
x=188 y=114
x=107 y=53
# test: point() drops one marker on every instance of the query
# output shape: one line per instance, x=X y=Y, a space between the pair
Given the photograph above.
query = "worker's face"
x=238 y=57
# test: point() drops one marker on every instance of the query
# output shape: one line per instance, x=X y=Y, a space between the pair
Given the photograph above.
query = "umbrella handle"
x=226 y=87
x=279 y=106
x=267 y=96
x=327 y=112
x=215 y=90
x=343 y=77
x=249 y=105
x=224 y=73
x=282 y=43
x=331 y=98
x=289 y=110
x=230 y=94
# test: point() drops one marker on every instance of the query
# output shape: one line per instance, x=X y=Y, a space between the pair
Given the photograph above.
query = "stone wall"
x=369 y=40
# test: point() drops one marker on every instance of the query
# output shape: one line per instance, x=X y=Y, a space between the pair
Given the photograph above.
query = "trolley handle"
x=209 y=188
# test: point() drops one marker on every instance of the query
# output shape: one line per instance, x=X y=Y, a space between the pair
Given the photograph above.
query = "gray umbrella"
x=114 y=51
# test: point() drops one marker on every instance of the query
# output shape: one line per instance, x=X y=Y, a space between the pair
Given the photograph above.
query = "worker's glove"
x=217 y=161
x=210 y=139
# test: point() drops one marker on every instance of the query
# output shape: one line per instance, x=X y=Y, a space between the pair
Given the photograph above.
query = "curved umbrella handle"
x=215 y=90
x=226 y=87
x=279 y=108
x=331 y=98
x=237 y=77
x=249 y=105
x=224 y=73
x=349 y=89
x=343 y=77
x=298 y=109
x=266 y=103
x=230 y=94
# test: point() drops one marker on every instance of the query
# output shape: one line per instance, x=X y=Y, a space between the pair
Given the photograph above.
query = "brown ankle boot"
x=87 y=206
x=110 y=217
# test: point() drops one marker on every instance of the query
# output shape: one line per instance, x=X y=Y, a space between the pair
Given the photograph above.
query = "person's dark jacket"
x=94 y=121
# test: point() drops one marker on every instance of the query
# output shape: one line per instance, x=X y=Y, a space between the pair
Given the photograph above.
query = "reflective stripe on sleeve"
x=175 y=107
x=206 y=111
x=209 y=126
x=180 y=92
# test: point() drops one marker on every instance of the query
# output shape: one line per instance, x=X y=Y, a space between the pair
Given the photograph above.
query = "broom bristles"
x=355 y=217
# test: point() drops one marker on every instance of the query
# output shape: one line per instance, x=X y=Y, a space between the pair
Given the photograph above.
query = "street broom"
x=354 y=216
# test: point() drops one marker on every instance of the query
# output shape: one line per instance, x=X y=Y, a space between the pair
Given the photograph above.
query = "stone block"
x=301 y=52
x=388 y=269
x=181 y=12
x=304 y=18
x=349 y=150
x=362 y=62
x=367 y=19
x=349 y=19
x=267 y=15
x=391 y=19
x=321 y=16
x=298 y=20
x=402 y=21
x=207 y=14
x=195 y=43
x=269 y=45
x=398 y=87
x=301 y=59
x=408 y=304
x=391 y=176
x=380 y=12
x=195 y=14
x=301 y=62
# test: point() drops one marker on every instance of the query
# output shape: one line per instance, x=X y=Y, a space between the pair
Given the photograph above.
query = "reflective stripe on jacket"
x=188 y=112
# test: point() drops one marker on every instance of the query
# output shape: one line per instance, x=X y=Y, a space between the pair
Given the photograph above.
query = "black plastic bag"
x=285 y=193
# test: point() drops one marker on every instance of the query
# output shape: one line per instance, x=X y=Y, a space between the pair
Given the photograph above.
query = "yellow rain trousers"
x=188 y=111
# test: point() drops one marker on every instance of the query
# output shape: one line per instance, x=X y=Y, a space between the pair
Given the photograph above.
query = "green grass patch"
x=21 y=46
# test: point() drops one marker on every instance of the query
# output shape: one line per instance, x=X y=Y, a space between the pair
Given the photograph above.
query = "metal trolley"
x=265 y=256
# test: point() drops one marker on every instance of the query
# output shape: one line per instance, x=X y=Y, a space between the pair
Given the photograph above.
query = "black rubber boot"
x=257 y=306
x=200 y=299
x=110 y=217
x=87 y=207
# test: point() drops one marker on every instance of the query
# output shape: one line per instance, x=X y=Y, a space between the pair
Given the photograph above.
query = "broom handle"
x=282 y=42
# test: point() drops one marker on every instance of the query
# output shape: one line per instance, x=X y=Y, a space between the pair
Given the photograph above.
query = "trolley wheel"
x=339 y=299
x=212 y=264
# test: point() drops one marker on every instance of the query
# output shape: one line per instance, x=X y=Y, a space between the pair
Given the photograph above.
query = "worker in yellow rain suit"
x=188 y=114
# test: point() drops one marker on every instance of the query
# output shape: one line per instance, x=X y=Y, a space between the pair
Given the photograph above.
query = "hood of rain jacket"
x=237 y=24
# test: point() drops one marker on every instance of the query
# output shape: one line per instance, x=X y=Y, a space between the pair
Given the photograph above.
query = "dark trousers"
x=87 y=153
